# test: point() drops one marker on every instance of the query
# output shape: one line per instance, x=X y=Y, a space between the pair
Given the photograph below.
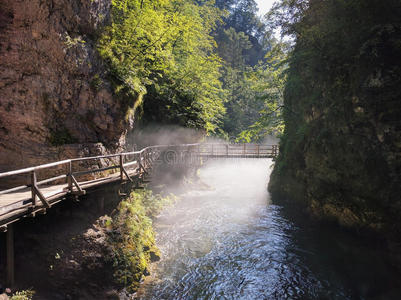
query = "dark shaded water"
x=232 y=243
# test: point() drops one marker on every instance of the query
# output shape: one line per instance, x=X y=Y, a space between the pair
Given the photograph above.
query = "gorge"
x=82 y=78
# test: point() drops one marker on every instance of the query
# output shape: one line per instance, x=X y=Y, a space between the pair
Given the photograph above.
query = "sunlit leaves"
x=269 y=80
x=167 y=44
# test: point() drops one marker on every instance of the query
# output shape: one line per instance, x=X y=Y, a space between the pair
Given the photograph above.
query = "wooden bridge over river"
x=80 y=176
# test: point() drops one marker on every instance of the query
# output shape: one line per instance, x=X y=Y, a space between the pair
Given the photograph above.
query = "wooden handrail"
x=95 y=157
x=143 y=152
x=28 y=170
x=34 y=197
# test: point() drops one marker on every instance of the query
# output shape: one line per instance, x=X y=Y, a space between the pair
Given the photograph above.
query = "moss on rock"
x=340 y=152
x=131 y=238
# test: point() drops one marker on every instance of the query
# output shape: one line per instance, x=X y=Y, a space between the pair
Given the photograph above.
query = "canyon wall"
x=341 y=151
x=55 y=100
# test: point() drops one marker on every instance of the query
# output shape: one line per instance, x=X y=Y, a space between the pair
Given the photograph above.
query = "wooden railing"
x=121 y=166
x=238 y=150
x=140 y=158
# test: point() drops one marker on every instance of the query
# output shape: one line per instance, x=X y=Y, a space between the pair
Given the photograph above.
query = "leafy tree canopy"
x=165 y=46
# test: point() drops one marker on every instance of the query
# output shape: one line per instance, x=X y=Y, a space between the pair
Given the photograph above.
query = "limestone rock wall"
x=54 y=99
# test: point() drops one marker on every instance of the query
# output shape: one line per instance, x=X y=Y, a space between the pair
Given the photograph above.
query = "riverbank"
x=365 y=221
x=95 y=248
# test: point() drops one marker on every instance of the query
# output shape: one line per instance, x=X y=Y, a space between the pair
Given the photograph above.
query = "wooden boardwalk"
x=37 y=196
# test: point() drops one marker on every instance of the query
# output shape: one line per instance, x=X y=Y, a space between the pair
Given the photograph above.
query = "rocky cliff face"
x=340 y=154
x=54 y=99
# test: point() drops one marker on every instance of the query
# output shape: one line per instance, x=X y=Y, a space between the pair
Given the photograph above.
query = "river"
x=231 y=242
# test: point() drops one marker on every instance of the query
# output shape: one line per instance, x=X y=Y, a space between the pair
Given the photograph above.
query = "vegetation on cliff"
x=130 y=236
x=341 y=144
x=164 y=48
x=23 y=295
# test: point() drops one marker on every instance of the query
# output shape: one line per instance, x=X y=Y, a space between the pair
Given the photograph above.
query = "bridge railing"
x=245 y=150
x=119 y=162
x=72 y=169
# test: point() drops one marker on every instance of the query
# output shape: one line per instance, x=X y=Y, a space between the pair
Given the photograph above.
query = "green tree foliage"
x=268 y=80
x=242 y=109
x=232 y=45
x=165 y=47
x=240 y=97
x=242 y=17
x=243 y=43
x=164 y=59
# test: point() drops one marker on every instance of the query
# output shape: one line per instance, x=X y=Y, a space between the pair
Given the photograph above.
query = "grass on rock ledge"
x=131 y=236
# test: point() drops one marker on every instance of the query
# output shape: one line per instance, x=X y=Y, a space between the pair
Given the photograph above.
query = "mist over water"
x=230 y=242
x=156 y=134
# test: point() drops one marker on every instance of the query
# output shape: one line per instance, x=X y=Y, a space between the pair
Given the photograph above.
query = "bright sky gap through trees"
x=264 y=6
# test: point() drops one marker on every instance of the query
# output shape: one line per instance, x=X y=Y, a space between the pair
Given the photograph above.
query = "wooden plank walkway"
x=37 y=196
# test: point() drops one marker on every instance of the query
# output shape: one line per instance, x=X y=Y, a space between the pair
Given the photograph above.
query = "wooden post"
x=140 y=162
x=257 y=146
x=33 y=185
x=10 y=255
x=121 y=168
x=69 y=176
x=274 y=150
x=244 y=149
x=36 y=192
